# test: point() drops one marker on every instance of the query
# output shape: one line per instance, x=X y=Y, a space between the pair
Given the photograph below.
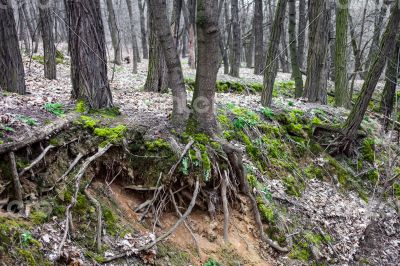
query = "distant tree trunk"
x=88 y=53
x=22 y=30
x=378 y=25
x=236 y=38
x=332 y=43
x=157 y=76
x=301 y=32
x=315 y=87
x=207 y=66
x=12 y=75
x=142 y=4
x=389 y=91
x=356 y=116
x=159 y=17
x=284 y=55
x=184 y=44
x=296 y=74
x=135 y=49
x=115 y=34
x=29 y=23
x=189 y=10
x=341 y=91
x=46 y=22
x=258 y=37
x=176 y=18
x=271 y=64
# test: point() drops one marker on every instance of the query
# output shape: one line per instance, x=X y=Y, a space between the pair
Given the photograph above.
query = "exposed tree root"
x=224 y=181
x=18 y=193
x=99 y=218
x=37 y=160
x=185 y=150
x=71 y=167
x=78 y=177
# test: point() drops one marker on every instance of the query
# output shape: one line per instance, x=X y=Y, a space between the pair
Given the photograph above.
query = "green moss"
x=175 y=256
x=38 y=217
x=97 y=257
x=372 y=176
x=157 y=145
x=87 y=122
x=27 y=256
x=111 y=221
x=368 y=150
x=314 y=171
x=229 y=135
x=81 y=107
x=82 y=205
x=252 y=179
x=112 y=134
x=59 y=55
x=211 y=262
x=258 y=87
x=293 y=186
x=267 y=212
x=38 y=58
x=111 y=112
x=224 y=121
x=396 y=190
x=300 y=251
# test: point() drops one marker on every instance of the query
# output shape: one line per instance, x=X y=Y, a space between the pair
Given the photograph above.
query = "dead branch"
x=224 y=181
x=47 y=131
x=141 y=188
x=17 y=183
x=72 y=165
x=169 y=232
x=37 y=160
x=185 y=150
x=78 y=178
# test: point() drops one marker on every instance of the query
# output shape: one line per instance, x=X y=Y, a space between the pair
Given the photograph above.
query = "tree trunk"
x=258 y=37
x=190 y=10
x=356 y=116
x=88 y=53
x=207 y=66
x=12 y=75
x=159 y=17
x=157 y=76
x=22 y=30
x=302 y=31
x=236 y=38
x=389 y=91
x=332 y=43
x=284 y=55
x=341 y=92
x=114 y=31
x=135 y=49
x=175 y=21
x=46 y=22
x=271 y=64
x=296 y=74
x=315 y=87
x=142 y=4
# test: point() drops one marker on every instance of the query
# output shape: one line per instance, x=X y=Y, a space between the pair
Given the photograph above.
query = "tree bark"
x=175 y=21
x=271 y=65
x=316 y=82
x=22 y=29
x=302 y=31
x=356 y=116
x=12 y=75
x=142 y=4
x=88 y=53
x=159 y=17
x=258 y=37
x=207 y=66
x=296 y=74
x=190 y=10
x=135 y=49
x=46 y=22
x=341 y=92
x=114 y=31
x=236 y=38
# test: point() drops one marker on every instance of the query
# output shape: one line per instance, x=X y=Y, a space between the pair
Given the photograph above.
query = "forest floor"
x=334 y=225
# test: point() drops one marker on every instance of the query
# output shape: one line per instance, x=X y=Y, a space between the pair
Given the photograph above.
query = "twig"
x=185 y=150
x=224 y=180
x=17 y=183
x=37 y=160
x=78 y=178
x=72 y=165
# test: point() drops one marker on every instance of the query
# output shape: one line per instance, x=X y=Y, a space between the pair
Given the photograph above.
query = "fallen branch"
x=72 y=165
x=78 y=177
x=166 y=234
x=17 y=183
x=37 y=160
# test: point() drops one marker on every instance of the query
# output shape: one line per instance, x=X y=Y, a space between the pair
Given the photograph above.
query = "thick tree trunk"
x=46 y=22
x=157 y=76
x=258 y=37
x=135 y=49
x=12 y=75
x=88 y=53
x=296 y=74
x=389 y=91
x=341 y=91
x=207 y=66
x=114 y=31
x=356 y=116
x=271 y=63
x=301 y=32
x=315 y=87
x=236 y=38
x=143 y=32
x=159 y=17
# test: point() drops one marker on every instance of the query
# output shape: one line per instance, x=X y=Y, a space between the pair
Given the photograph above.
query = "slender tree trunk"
x=115 y=34
x=12 y=75
x=135 y=49
x=236 y=38
x=389 y=91
x=175 y=21
x=315 y=87
x=207 y=66
x=190 y=10
x=271 y=64
x=142 y=4
x=157 y=76
x=341 y=91
x=22 y=29
x=88 y=53
x=356 y=116
x=332 y=43
x=46 y=22
x=159 y=17
x=301 y=31
x=258 y=37
x=284 y=51
x=296 y=74
x=184 y=44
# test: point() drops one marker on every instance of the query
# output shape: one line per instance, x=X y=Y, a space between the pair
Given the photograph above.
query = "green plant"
x=54 y=108
x=211 y=262
x=27 y=120
x=267 y=112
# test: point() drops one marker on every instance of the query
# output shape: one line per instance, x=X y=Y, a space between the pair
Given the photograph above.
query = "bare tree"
x=142 y=5
x=258 y=37
x=296 y=74
x=46 y=22
x=236 y=36
x=135 y=49
x=114 y=31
